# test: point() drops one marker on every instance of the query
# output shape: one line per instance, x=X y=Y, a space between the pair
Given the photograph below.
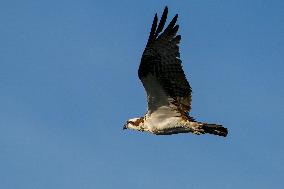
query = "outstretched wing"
x=161 y=71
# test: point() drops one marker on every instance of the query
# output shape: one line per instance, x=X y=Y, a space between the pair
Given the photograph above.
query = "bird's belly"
x=160 y=125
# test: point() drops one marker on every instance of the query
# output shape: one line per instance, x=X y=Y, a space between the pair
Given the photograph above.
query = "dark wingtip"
x=162 y=21
x=174 y=30
x=176 y=17
x=166 y=8
x=157 y=28
x=153 y=29
x=172 y=23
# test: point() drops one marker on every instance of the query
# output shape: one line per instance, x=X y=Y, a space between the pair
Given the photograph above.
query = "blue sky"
x=68 y=81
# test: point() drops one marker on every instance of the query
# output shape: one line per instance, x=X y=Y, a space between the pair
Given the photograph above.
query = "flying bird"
x=168 y=91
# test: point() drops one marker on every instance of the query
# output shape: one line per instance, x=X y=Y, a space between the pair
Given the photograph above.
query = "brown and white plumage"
x=168 y=91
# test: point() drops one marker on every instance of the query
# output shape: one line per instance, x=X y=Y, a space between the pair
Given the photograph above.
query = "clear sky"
x=68 y=81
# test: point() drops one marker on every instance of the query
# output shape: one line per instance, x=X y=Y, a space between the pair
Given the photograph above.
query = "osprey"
x=168 y=91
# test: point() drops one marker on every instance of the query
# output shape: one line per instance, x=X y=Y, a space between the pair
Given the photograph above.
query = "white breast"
x=163 y=118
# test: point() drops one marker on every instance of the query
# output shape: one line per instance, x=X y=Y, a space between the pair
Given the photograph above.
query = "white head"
x=135 y=124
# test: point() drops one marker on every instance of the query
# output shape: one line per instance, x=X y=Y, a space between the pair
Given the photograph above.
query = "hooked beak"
x=124 y=126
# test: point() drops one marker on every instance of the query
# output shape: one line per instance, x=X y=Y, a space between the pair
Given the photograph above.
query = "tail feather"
x=215 y=129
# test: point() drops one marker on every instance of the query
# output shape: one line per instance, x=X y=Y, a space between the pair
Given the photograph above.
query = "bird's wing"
x=161 y=71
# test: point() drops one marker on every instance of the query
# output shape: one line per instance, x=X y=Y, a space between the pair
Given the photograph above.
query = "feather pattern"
x=161 y=65
x=168 y=91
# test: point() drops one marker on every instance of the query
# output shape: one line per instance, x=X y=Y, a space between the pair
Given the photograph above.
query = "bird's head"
x=135 y=124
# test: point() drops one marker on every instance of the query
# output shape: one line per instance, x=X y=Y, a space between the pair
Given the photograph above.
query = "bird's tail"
x=214 y=129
